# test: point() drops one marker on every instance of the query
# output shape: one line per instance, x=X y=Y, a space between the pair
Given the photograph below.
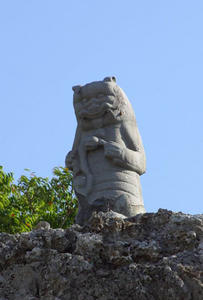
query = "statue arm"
x=76 y=161
x=133 y=153
x=69 y=161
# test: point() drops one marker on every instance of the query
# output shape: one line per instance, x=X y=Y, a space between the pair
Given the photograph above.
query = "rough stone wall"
x=156 y=256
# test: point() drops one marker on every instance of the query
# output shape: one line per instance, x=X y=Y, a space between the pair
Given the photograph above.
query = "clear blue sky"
x=154 y=48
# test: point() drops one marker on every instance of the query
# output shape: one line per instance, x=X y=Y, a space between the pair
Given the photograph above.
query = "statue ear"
x=76 y=88
x=110 y=78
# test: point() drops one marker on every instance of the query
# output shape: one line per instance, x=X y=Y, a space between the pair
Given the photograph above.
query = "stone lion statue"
x=107 y=157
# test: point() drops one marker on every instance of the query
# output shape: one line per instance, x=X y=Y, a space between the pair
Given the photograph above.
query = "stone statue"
x=107 y=157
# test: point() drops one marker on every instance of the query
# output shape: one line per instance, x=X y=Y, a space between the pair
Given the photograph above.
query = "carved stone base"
x=119 y=205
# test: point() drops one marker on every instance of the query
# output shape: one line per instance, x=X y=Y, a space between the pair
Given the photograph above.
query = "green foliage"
x=34 y=199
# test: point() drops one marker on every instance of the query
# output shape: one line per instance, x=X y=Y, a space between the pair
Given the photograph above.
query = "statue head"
x=100 y=100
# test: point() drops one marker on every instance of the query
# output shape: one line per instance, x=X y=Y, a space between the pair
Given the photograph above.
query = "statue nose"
x=110 y=78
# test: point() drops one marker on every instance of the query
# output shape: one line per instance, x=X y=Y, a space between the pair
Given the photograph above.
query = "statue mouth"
x=94 y=109
x=91 y=116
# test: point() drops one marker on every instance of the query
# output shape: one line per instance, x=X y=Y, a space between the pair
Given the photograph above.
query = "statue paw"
x=91 y=143
x=113 y=150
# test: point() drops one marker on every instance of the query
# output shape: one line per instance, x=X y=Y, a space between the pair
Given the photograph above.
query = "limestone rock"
x=43 y=225
x=156 y=256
